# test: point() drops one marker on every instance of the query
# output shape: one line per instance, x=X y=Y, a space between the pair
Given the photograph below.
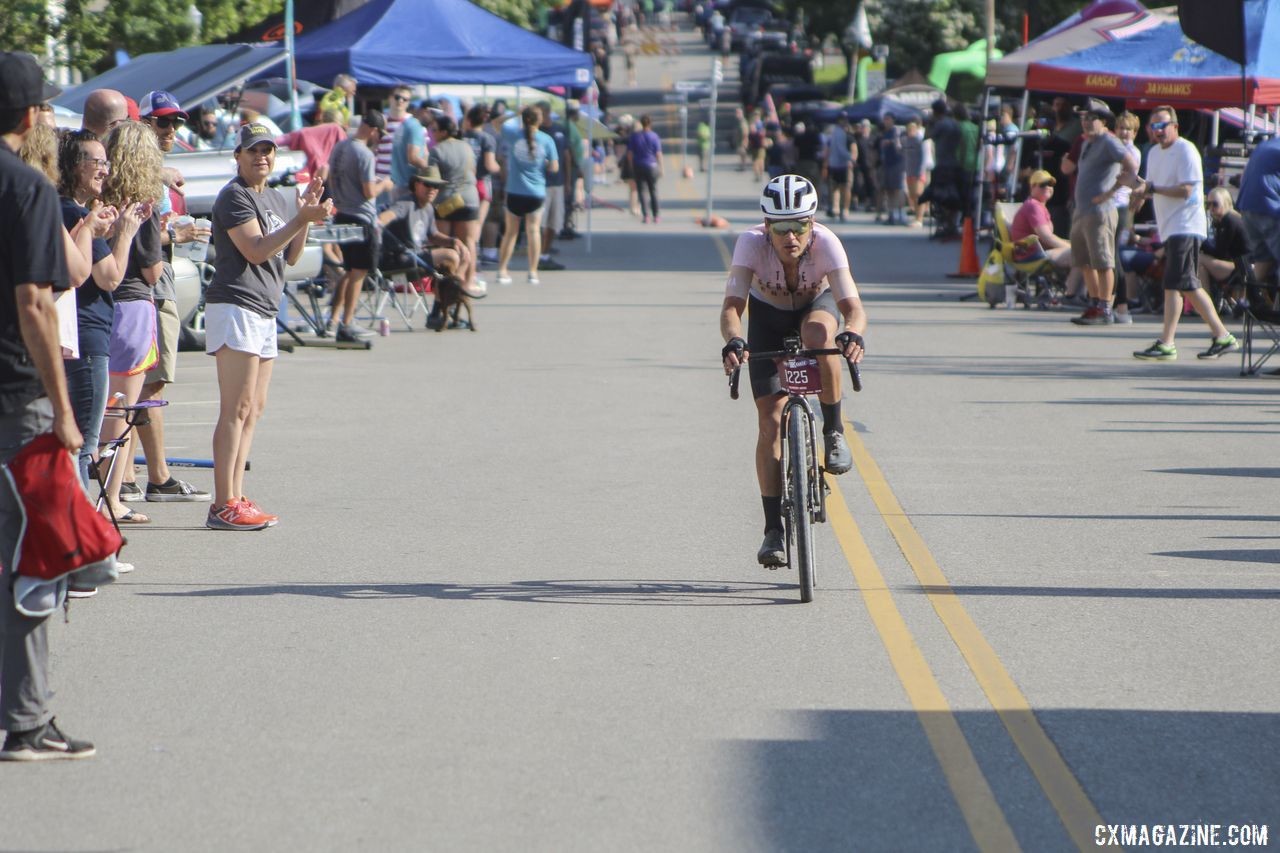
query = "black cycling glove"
x=737 y=346
x=845 y=338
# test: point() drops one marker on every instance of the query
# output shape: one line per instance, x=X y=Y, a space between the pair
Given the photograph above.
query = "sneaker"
x=534 y=280
x=130 y=493
x=176 y=490
x=81 y=591
x=351 y=335
x=773 y=552
x=1219 y=346
x=272 y=520
x=235 y=516
x=43 y=744
x=124 y=568
x=1158 y=351
x=553 y=266
x=1121 y=319
x=837 y=457
x=504 y=280
x=1092 y=316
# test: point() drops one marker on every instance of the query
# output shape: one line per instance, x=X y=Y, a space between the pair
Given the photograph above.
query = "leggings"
x=647 y=179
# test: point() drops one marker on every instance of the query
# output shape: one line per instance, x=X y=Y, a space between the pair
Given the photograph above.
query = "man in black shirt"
x=33 y=397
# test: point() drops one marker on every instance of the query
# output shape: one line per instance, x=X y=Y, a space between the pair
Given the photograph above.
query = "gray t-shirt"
x=420 y=222
x=144 y=252
x=457 y=162
x=351 y=165
x=255 y=287
x=1096 y=172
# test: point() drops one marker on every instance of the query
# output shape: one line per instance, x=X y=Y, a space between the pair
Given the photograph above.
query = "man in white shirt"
x=1175 y=184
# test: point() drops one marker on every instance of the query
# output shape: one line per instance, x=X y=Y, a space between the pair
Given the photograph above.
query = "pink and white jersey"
x=768 y=282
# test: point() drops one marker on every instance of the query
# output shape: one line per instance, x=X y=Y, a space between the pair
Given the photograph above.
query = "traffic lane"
x=999 y=499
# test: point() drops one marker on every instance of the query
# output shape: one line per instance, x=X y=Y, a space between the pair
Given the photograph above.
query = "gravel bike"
x=804 y=491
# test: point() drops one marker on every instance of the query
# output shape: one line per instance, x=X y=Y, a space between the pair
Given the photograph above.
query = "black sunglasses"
x=399 y=98
x=165 y=122
x=1161 y=125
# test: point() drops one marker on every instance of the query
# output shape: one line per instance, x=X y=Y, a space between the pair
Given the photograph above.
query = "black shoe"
x=43 y=744
x=773 y=552
x=838 y=458
x=350 y=335
x=549 y=265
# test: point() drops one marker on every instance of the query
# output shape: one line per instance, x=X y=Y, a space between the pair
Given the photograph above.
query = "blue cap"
x=160 y=103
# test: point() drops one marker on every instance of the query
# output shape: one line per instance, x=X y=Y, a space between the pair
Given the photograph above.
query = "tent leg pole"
x=1017 y=147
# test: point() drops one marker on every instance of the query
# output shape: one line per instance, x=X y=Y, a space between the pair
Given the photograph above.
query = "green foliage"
x=224 y=17
x=521 y=12
x=916 y=30
x=23 y=25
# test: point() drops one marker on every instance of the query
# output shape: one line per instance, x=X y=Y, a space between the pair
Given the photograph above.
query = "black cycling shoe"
x=838 y=458
x=773 y=553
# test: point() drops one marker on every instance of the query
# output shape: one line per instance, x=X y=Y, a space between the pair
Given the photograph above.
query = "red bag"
x=61 y=530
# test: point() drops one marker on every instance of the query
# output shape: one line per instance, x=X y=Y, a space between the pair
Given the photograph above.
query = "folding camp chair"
x=1261 y=324
x=1033 y=275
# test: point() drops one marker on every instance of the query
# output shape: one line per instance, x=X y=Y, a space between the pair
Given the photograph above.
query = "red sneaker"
x=235 y=516
x=272 y=520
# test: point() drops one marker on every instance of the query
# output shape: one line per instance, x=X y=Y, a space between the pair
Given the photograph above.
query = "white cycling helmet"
x=789 y=197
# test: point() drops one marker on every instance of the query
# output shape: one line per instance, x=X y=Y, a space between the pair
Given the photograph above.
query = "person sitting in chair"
x=409 y=229
x=1033 y=219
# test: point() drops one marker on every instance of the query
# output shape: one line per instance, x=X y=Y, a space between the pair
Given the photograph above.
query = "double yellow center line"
x=1075 y=810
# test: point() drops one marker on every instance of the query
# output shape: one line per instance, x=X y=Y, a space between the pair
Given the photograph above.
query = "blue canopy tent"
x=877 y=107
x=386 y=42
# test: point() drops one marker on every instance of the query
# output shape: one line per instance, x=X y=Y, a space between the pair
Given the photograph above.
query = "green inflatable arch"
x=972 y=61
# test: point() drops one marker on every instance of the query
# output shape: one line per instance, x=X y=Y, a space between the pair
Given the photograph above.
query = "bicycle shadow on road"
x=634 y=593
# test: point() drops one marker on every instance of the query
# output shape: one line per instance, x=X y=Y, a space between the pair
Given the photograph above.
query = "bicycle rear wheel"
x=797 y=487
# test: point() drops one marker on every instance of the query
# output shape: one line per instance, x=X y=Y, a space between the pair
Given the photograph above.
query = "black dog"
x=450 y=298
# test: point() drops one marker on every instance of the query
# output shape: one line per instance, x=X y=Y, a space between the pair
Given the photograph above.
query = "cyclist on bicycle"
x=795 y=275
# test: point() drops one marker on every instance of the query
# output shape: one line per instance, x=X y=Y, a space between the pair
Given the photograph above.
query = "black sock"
x=772 y=513
x=831 y=420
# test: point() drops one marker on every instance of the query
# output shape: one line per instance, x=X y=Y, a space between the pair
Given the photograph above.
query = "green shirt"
x=968 y=155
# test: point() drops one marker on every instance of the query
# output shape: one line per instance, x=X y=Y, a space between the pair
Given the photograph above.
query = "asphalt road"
x=513 y=605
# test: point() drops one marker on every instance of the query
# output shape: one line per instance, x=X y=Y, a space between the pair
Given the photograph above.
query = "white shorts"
x=553 y=210
x=240 y=329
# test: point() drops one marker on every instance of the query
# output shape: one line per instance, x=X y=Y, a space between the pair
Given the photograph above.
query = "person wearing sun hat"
x=1033 y=218
x=33 y=398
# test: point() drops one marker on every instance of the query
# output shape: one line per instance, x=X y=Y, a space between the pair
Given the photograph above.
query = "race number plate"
x=801 y=376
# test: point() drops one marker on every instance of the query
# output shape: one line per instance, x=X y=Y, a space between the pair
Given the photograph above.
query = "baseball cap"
x=253 y=133
x=374 y=119
x=131 y=108
x=1040 y=176
x=22 y=83
x=160 y=103
x=1098 y=108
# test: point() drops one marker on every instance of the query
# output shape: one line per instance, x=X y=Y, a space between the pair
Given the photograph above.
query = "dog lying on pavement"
x=451 y=298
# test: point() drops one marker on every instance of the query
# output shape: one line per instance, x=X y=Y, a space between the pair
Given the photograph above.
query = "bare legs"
x=243 y=380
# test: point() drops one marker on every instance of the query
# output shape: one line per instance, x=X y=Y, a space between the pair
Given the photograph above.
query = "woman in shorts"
x=136 y=177
x=458 y=206
x=255 y=240
x=531 y=154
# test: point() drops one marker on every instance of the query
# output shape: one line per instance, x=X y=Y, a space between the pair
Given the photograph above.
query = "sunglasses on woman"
x=792 y=226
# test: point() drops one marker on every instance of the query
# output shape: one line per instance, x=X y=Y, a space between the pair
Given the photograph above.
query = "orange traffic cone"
x=968 y=254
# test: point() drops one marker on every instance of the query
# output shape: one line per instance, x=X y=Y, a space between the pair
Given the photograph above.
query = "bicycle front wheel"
x=798 y=450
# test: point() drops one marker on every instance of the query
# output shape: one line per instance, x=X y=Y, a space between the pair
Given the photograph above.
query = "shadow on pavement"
x=612 y=592
x=1255 y=519
x=868 y=780
x=1125 y=592
x=1222 y=472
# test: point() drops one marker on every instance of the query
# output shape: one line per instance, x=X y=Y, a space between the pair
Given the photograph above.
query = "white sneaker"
x=533 y=280
x=504 y=280
x=123 y=567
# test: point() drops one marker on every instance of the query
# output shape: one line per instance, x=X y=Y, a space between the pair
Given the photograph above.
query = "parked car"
x=746 y=21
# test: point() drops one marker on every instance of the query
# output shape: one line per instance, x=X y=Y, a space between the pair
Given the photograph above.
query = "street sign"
x=675 y=98
x=693 y=86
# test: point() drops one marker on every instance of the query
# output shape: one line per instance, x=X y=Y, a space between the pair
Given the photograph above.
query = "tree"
x=24 y=25
x=521 y=12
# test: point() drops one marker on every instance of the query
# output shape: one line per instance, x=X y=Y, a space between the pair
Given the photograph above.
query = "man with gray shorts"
x=1103 y=160
x=1259 y=204
x=1175 y=184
